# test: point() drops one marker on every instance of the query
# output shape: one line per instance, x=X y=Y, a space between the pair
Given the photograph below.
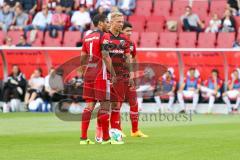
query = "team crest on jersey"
x=122 y=42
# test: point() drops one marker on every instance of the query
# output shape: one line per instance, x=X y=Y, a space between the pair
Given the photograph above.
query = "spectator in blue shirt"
x=126 y=6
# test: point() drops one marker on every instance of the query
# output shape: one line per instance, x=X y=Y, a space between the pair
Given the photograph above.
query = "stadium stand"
x=162 y=8
x=225 y=40
x=167 y=40
x=187 y=40
x=206 y=37
x=149 y=39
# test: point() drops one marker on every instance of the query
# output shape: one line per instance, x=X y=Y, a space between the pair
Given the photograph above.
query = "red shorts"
x=89 y=91
x=102 y=90
x=119 y=91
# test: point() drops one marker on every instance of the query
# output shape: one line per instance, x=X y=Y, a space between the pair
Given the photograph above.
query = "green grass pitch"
x=41 y=136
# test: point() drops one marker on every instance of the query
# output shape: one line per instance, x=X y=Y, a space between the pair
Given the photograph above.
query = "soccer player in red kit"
x=130 y=95
x=91 y=62
x=117 y=46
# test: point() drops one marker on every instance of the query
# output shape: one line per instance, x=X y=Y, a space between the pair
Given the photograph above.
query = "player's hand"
x=114 y=79
x=131 y=83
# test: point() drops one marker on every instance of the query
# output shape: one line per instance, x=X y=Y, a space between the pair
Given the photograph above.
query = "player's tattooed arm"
x=108 y=62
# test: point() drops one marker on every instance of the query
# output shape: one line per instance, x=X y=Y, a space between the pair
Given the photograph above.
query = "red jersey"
x=92 y=47
x=118 y=48
x=133 y=49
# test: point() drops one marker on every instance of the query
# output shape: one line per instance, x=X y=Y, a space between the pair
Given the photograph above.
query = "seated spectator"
x=234 y=5
x=80 y=19
x=35 y=86
x=52 y=4
x=89 y=4
x=13 y=3
x=67 y=6
x=20 y=19
x=29 y=6
x=76 y=91
x=236 y=44
x=6 y=18
x=99 y=11
x=126 y=6
x=214 y=24
x=13 y=90
x=233 y=92
x=106 y=4
x=41 y=20
x=228 y=22
x=147 y=85
x=23 y=42
x=59 y=19
x=9 y=42
x=165 y=90
x=191 y=21
x=53 y=86
x=190 y=89
x=211 y=89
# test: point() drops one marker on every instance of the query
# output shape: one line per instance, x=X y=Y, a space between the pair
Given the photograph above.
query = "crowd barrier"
x=28 y=59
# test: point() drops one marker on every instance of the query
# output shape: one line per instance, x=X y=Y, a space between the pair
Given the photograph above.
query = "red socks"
x=115 y=119
x=134 y=117
x=103 y=118
x=86 y=116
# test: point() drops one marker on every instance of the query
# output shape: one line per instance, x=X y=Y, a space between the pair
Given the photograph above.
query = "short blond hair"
x=115 y=15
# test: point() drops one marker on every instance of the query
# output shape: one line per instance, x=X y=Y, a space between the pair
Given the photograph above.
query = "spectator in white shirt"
x=36 y=84
x=9 y=42
x=214 y=24
x=40 y=21
x=106 y=4
x=80 y=19
x=126 y=6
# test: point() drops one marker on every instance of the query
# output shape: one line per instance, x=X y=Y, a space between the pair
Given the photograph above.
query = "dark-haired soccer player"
x=91 y=62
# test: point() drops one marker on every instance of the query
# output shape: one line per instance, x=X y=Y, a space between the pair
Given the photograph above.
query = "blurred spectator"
x=99 y=11
x=35 y=86
x=53 y=86
x=29 y=6
x=147 y=86
x=67 y=5
x=106 y=4
x=211 y=88
x=1 y=3
x=80 y=19
x=52 y=4
x=214 y=24
x=191 y=21
x=228 y=22
x=6 y=18
x=234 y=5
x=20 y=19
x=14 y=90
x=88 y=3
x=126 y=6
x=23 y=42
x=41 y=20
x=236 y=44
x=59 y=19
x=9 y=42
x=165 y=90
x=12 y=3
x=233 y=92
x=190 y=89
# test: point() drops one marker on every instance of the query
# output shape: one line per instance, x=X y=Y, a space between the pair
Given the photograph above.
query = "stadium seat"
x=135 y=37
x=201 y=8
x=187 y=40
x=2 y=37
x=149 y=39
x=206 y=40
x=15 y=36
x=135 y=18
x=155 y=26
x=71 y=38
x=179 y=7
x=53 y=42
x=138 y=26
x=168 y=39
x=144 y=7
x=225 y=40
x=162 y=8
x=38 y=40
x=218 y=7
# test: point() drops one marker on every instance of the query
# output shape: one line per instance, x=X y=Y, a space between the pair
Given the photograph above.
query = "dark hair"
x=188 y=7
x=192 y=68
x=98 y=18
x=215 y=71
x=126 y=25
